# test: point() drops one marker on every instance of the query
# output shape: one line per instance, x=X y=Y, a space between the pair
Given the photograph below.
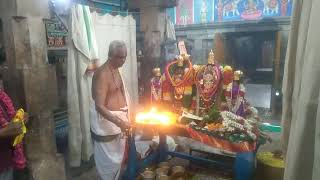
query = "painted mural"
x=171 y=14
x=251 y=9
x=184 y=12
x=205 y=11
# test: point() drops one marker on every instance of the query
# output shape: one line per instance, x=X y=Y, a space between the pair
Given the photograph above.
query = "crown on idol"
x=237 y=75
x=211 y=57
x=156 y=71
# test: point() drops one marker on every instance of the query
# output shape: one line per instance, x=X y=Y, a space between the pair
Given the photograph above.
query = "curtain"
x=109 y=28
x=82 y=51
x=301 y=84
x=91 y=35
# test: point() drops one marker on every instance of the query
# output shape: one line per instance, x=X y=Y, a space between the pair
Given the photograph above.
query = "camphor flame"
x=155 y=118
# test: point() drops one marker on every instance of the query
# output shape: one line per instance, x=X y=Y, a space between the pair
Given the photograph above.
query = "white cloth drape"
x=109 y=28
x=82 y=49
x=301 y=84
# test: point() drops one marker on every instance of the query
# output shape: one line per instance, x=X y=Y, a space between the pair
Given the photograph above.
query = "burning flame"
x=156 y=118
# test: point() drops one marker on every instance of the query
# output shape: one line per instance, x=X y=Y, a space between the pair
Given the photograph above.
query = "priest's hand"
x=11 y=130
x=123 y=125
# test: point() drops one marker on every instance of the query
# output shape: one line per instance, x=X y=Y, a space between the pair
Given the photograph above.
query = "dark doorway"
x=253 y=53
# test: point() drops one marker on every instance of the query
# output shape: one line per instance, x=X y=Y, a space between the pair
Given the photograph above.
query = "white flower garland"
x=239 y=99
x=231 y=122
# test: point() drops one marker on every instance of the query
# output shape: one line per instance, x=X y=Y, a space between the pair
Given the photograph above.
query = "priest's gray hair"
x=114 y=45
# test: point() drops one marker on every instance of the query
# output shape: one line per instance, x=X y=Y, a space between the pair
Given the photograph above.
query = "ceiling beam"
x=134 y=4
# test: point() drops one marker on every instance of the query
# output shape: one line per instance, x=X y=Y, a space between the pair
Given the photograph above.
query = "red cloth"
x=221 y=143
x=9 y=156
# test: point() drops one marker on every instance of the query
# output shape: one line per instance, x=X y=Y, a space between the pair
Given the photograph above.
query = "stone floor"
x=259 y=95
x=194 y=173
x=88 y=171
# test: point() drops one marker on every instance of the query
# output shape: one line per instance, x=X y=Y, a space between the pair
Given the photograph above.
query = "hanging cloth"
x=301 y=94
x=82 y=51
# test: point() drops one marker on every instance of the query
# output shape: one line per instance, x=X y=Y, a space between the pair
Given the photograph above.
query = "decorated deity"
x=156 y=89
x=208 y=80
x=227 y=76
x=234 y=94
x=177 y=84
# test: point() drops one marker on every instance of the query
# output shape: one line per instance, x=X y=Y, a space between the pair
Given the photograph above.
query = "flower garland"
x=232 y=121
x=186 y=77
x=179 y=94
x=18 y=158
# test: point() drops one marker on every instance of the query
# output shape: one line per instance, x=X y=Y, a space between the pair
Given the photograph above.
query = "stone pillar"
x=219 y=48
x=198 y=52
x=31 y=82
x=153 y=26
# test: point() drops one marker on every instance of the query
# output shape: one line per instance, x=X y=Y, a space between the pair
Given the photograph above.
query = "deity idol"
x=208 y=81
x=156 y=89
x=177 y=84
x=235 y=95
x=227 y=76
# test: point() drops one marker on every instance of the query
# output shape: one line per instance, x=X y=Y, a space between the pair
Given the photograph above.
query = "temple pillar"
x=152 y=25
x=31 y=82
x=198 y=52
x=219 y=48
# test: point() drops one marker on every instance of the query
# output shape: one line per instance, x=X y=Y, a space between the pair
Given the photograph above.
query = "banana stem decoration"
x=19 y=118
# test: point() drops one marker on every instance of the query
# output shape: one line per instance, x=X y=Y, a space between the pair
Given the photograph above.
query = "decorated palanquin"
x=210 y=103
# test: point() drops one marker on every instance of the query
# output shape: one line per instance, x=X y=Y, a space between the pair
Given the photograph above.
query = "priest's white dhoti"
x=110 y=149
